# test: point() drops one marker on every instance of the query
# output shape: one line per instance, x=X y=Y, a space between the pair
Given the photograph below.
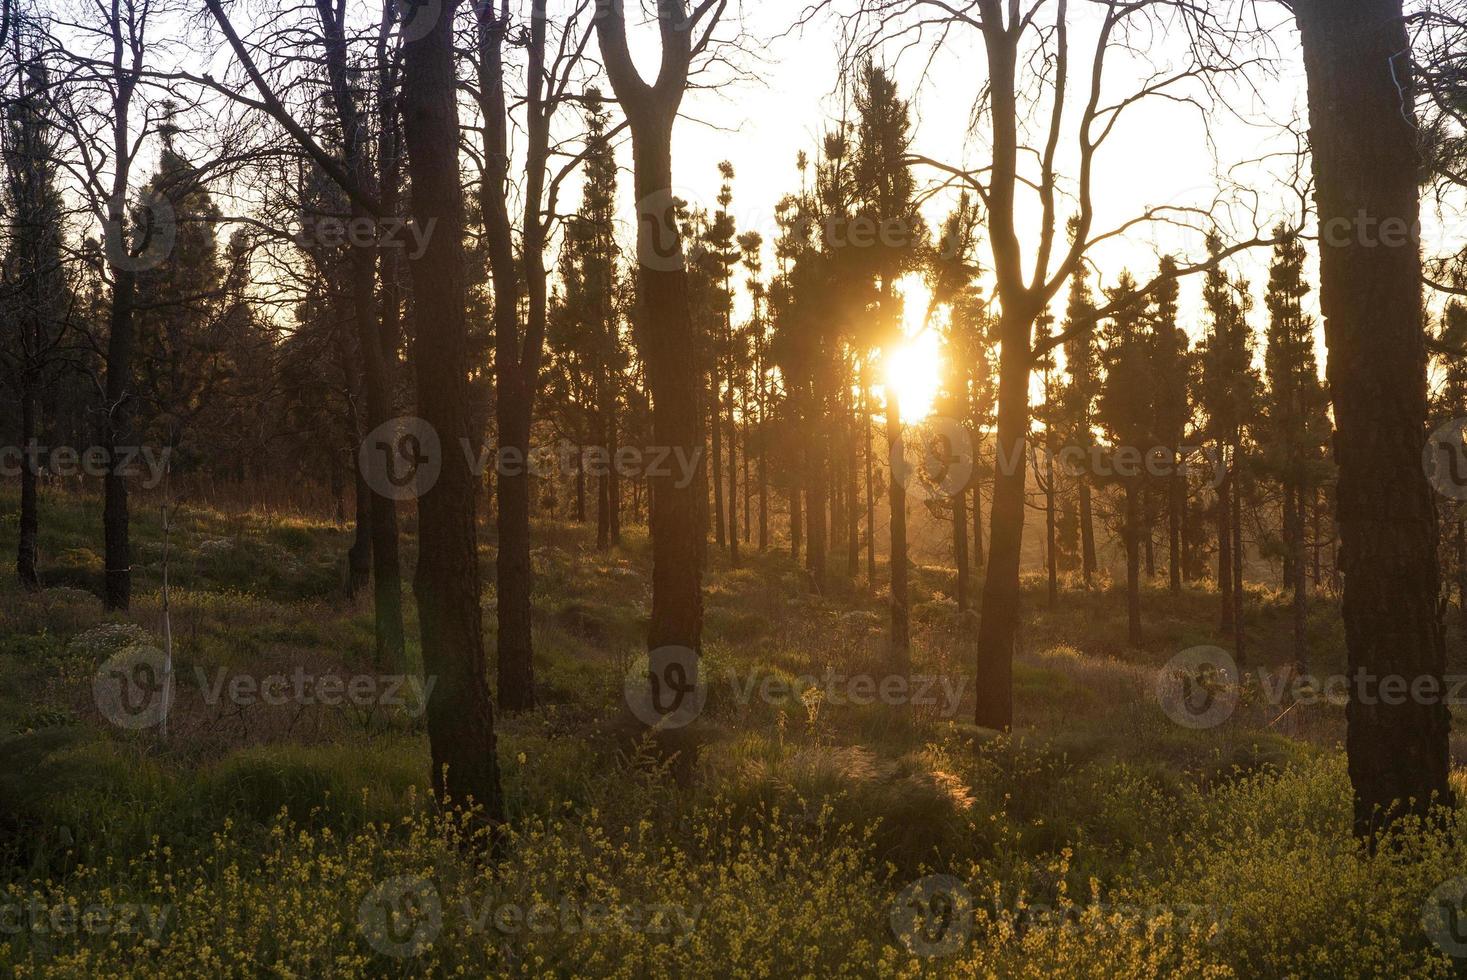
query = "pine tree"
x=1228 y=396
x=1126 y=409
x=1297 y=426
x=36 y=299
x=1171 y=405
x=1079 y=395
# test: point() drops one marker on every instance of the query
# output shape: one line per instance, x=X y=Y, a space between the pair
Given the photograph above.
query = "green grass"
x=792 y=827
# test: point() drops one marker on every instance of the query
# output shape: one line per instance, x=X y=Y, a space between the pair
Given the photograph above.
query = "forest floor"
x=808 y=822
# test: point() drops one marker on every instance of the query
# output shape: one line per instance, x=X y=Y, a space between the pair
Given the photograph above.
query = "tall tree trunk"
x=359 y=555
x=901 y=628
x=1148 y=523
x=516 y=353
x=1087 y=531
x=815 y=490
x=613 y=477
x=797 y=523
x=1133 y=532
x=852 y=469
x=30 y=524
x=999 y=623
x=870 y=480
x=1225 y=544
x=733 y=473
x=1301 y=581
x=446 y=584
x=1356 y=57
x=116 y=429
x=715 y=413
x=762 y=443
x=1052 y=560
x=381 y=512
x=960 y=546
x=377 y=378
x=1239 y=626
x=667 y=337
x=1176 y=503
x=978 y=558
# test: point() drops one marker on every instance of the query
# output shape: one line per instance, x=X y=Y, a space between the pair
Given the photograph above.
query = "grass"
x=797 y=833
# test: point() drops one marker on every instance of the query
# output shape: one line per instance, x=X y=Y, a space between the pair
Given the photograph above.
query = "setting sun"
x=914 y=369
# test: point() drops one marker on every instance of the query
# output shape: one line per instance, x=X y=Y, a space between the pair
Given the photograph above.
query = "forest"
x=682 y=488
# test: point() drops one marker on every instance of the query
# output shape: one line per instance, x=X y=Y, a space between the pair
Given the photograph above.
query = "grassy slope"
x=791 y=827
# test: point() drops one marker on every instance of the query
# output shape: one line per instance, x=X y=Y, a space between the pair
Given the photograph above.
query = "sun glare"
x=913 y=370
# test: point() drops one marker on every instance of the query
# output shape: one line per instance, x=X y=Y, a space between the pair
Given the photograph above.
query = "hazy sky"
x=1158 y=155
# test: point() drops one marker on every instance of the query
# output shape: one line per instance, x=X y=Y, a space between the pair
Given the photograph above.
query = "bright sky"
x=1158 y=155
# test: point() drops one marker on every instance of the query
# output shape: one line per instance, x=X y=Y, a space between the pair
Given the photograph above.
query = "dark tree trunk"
x=1051 y=559
x=1301 y=581
x=613 y=477
x=733 y=474
x=715 y=420
x=377 y=377
x=1225 y=545
x=460 y=714
x=1133 y=532
x=1176 y=503
x=960 y=546
x=797 y=522
x=30 y=522
x=116 y=430
x=901 y=629
x=382 y=512
x=978 y=559
x=1148 y=523
x=999 y=623
x=853 y=493
x=1239 y=626
x=1365 y=163
x=359 y=555
x=815 y=491
x=1087 y=532
x=870 y=482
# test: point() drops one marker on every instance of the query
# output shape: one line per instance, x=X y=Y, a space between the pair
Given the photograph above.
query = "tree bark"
x=1134 y=490
x=1000 y=614
x=1176 y=502
x=901 y=624
x=30 y=524
x=116 y=429
x=446 y=584
x=667 y=335
x=1225 y=545
x=1356 y=57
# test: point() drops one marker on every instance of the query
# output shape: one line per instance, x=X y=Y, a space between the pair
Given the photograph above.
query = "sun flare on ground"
x=914 y=368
